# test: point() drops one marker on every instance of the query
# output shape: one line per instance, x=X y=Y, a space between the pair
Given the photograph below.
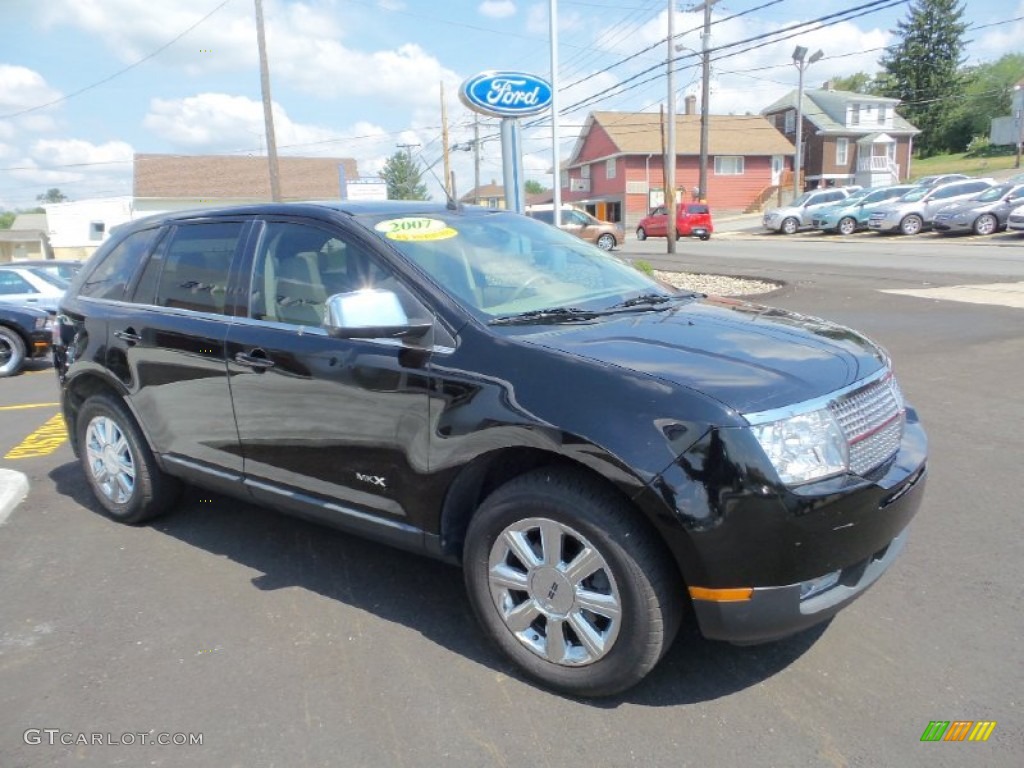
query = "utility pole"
x=705 y=95
x=1019 y=114
x=444 y=147
x=556 y=158
x=476 y=158
x=268 y=112
x=670 y=154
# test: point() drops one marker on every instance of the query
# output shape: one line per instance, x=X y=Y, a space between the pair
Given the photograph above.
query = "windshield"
x=499 y=264
x=915 y=194
x=884 y=194
x=52 y=279
x=993 y=193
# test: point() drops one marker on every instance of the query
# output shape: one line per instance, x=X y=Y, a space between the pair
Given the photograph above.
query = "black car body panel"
x=29 y=324
x=401 y=439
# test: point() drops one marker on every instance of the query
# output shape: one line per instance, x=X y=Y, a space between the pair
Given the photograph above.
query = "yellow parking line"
x=27 y=405
x=44 y=441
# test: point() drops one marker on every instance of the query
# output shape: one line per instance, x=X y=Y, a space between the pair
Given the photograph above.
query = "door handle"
x=256 y=359
x=129 y=336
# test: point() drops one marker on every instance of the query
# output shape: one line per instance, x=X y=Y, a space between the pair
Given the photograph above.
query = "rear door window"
x=194 y=270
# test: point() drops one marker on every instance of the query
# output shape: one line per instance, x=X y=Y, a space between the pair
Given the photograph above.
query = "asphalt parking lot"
x=279 y=643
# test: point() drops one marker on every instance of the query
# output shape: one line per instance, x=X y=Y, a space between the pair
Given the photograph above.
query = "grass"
x=961 y=163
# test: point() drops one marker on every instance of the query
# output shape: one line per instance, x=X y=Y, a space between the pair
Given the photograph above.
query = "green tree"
x=52 y=195
x=987 y=94
x=860 y=82
x=534 y=187
x=403 y=176
x=923 y=68
x=6 y=219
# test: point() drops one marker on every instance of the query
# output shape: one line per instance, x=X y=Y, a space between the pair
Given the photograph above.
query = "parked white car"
x=30 y=286
x=1015 y=221
x=800 y=212
x=916 y=210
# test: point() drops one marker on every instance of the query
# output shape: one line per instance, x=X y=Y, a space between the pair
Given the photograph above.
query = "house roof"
x=639 y=133
x=826 y=110
x=29 y=221
x=484 y=190
x=239 y=176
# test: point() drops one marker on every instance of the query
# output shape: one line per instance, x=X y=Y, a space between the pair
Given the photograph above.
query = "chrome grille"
x=872 y=421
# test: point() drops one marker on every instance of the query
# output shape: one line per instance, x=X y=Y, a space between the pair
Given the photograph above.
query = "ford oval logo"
x=506 y=94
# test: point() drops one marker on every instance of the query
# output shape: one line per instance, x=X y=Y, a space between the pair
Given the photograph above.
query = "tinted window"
x=196 y=265
x=546 y=216
x=12 y=282
x=110 y=277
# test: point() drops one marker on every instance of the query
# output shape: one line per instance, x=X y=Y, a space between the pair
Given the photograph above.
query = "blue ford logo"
x=506 y=94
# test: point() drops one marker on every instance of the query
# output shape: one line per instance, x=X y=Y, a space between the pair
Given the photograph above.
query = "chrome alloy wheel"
x=110 y=459
x=554 y=591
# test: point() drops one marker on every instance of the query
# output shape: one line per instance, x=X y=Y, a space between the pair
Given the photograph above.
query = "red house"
x=616 y=168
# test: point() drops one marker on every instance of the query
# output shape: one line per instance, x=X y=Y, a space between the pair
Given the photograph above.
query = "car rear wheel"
x=12 y=352
x=570 y=584
x=606 y=242
x=985 y=224
x=119 y=465
x=847 y=225
x=790 y=226
x=641 y=233
x=911 y=225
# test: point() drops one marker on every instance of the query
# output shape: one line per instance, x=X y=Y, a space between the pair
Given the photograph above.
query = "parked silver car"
x=31 y=287
x=911 y=213
x=800 y=212
x=982 y=214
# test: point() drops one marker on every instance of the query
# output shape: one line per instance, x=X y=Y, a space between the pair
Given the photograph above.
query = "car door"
x=331 y=428
x=167 y=344
x=943 y=197
x=658 y=222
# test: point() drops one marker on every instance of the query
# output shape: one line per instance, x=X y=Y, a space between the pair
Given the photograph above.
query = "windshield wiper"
x=550 y=315
x=651 y=300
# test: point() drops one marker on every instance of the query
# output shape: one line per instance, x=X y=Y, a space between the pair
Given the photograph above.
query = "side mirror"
x=370 y=314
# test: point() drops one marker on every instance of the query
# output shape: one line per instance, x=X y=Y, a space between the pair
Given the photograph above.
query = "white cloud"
x=497 y=9
x=68 y=152
x=22 y=88
x=1001 y=39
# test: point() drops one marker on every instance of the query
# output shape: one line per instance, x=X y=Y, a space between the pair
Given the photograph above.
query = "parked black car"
x=24 y=334
x=602 y=455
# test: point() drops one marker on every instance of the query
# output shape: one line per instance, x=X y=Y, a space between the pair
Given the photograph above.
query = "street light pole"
x=798 y=61
x=705 y=91
x=1020 y=125
x=670 y=149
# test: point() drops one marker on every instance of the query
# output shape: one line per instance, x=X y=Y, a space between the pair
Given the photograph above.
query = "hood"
x=748 y=357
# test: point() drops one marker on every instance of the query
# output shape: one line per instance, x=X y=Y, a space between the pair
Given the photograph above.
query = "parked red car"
x=692 y=220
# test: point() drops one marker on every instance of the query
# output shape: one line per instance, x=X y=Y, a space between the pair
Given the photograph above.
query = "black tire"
x=606 y=242
x=641 y=234
x=151 y=492
x=986 y=224
x=705 y=237
x=12 y=352
x=847 y=225
x=634 y=574
x=911 y=224
x=789 y=226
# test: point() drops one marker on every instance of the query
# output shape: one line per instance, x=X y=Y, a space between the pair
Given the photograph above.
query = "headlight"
x=42 y=323
x=805 y=447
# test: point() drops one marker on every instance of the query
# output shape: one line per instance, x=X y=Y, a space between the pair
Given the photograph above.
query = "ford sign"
x=506 y=94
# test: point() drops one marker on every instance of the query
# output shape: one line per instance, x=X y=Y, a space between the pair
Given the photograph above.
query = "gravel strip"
x=716 y=285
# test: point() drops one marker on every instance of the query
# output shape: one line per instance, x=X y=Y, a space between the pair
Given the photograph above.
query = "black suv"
x=601 y=454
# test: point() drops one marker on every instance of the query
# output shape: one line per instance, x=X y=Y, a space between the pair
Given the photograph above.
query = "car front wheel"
x=119 y=464
x=790 y=226
x=985 y=224
x=12 y=352
x=570 y=584
x=911 y=225
x=641 y=233
x=847 y=225
x=606 y=242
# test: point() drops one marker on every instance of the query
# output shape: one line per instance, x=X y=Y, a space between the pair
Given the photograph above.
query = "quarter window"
x=729 y=165
x=114 y=273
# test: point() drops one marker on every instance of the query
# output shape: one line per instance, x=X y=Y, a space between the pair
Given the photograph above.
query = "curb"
x=13 y=489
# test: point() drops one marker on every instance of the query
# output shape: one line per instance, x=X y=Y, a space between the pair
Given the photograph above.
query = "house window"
x=563 y=179
x=584 y=171
x=790 y=121
x=609 y=168
x=842 y=151
x=883 y=115
x=97 y=230
x=729 y=165
x=855 y=114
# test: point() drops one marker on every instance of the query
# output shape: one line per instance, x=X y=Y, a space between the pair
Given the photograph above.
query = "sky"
x=85 y=84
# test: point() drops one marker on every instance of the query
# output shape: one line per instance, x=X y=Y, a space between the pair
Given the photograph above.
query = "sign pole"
x=512 y=164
